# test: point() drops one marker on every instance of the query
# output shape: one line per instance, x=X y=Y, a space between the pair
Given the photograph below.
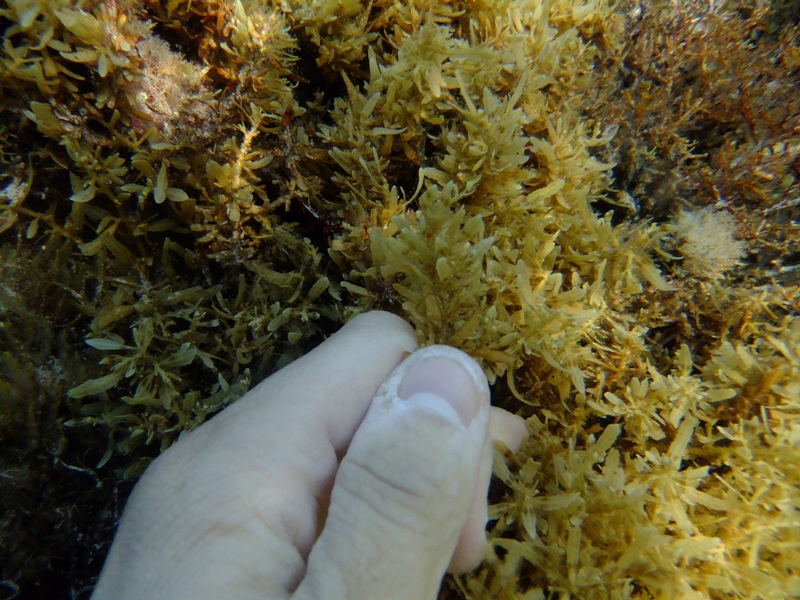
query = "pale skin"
x=358 y=471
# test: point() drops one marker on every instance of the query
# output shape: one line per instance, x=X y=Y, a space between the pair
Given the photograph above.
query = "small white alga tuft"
x=706 y=241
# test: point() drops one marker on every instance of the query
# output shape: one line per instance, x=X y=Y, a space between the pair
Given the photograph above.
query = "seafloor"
x=597 y=200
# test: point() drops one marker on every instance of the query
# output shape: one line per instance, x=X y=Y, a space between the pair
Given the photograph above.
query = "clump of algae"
x=707 y=242
x=220 y=183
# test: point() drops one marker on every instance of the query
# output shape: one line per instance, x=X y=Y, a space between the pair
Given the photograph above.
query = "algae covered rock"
x=596 y=200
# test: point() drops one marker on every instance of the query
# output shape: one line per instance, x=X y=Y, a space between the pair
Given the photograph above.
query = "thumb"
x=405 y=488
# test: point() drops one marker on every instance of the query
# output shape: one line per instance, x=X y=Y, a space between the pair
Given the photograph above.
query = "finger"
x=510 y=430
x=405 y=488
x=261 y=468
x=307 y=413
x=472 y=539
x=332 y=386
x=507 y=428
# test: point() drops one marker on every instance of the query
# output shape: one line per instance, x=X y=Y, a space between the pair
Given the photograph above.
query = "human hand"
x=246 y=506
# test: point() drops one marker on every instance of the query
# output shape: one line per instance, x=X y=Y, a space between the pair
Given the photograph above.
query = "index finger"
x=333 y=385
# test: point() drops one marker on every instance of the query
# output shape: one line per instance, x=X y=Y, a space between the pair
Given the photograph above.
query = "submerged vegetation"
x=597 y=200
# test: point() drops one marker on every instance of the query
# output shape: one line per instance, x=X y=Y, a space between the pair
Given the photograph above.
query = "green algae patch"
x=596 y=200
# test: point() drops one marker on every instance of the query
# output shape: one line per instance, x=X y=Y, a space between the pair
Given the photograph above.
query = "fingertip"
x=508 y=428
x=448 y=374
